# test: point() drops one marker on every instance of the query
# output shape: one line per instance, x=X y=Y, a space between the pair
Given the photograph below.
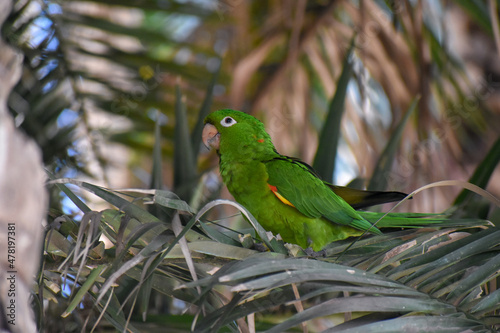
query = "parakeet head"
x=236 y=133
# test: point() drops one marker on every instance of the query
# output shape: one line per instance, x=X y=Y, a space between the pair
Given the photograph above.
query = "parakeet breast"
x=247 y=182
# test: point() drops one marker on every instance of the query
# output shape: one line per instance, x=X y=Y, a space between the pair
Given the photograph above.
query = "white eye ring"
x=227 y=121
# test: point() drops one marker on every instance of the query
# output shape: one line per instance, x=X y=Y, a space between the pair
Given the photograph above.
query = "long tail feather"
x=418 y=220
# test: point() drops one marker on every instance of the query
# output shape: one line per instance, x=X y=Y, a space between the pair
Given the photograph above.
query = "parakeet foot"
x=311 y=253
x=260 y=247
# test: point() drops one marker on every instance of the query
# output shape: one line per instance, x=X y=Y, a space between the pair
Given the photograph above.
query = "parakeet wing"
x=295 y=182
x=356 y=198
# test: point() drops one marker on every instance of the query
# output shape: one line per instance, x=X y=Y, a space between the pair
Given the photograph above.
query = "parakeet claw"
x=311 y=253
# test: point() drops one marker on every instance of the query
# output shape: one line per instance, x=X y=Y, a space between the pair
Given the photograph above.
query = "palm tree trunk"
x=22 y=202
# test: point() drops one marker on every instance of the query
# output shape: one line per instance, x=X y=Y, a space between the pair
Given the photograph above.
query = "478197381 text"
x=11 y=273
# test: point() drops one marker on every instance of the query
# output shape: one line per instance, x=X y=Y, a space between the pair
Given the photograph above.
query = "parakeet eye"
x=227 y=122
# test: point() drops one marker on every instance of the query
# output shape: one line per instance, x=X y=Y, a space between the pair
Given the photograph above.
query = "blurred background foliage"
x=114 y=92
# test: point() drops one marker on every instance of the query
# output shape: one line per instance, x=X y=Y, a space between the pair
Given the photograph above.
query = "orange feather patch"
x=261 y=141
x=274 y=189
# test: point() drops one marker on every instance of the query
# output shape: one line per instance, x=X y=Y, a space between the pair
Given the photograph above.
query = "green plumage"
x=283 y=193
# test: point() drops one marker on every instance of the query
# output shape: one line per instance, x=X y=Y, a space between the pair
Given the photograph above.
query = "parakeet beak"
x=210 y=136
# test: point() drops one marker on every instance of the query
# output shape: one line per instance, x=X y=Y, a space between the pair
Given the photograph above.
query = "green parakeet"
x=284 y=194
